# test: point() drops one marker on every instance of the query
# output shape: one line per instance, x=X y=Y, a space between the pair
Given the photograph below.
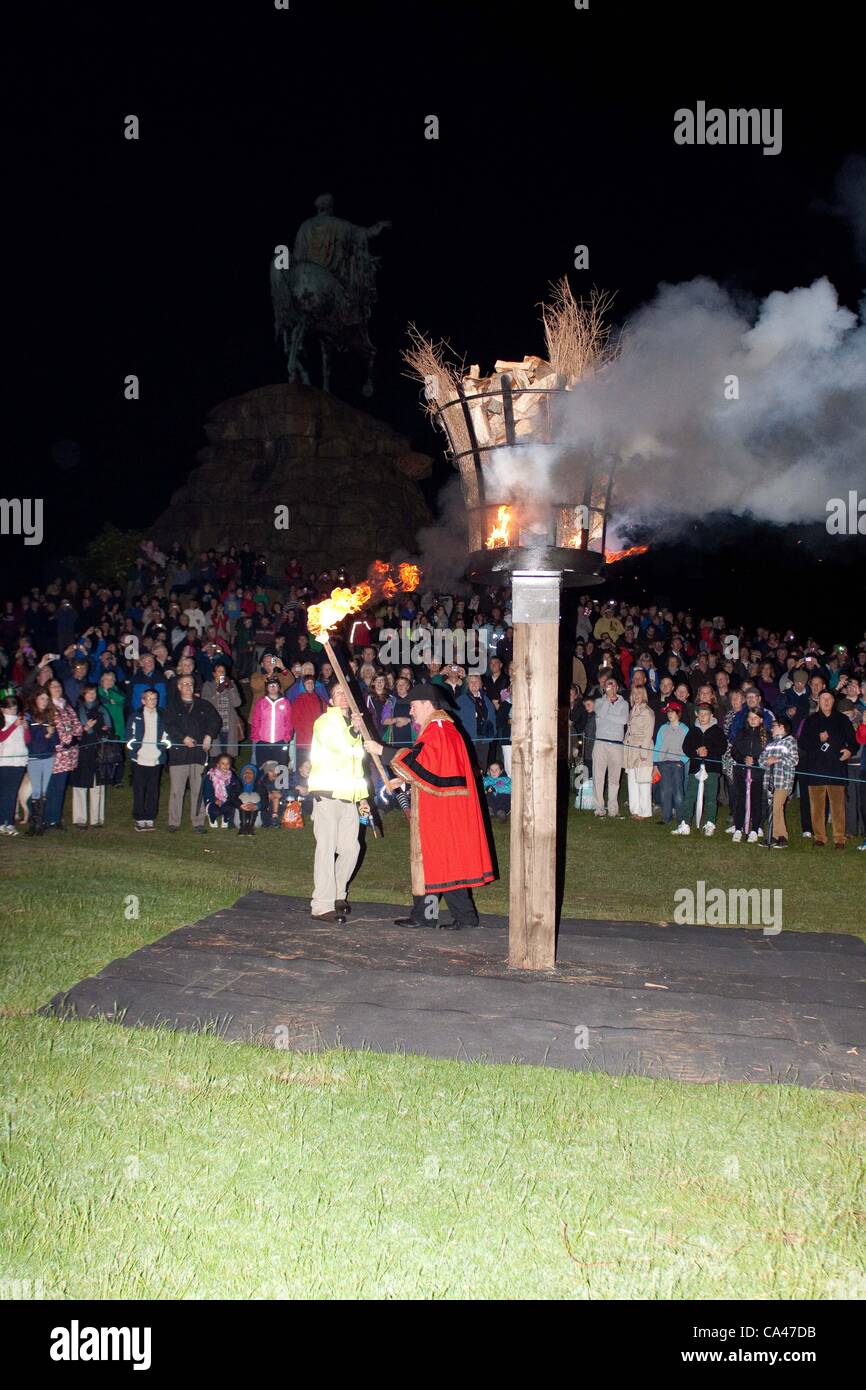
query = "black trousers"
x=145 y=791
x=425 y=908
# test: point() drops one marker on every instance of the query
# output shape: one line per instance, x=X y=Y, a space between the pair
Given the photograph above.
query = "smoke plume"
x=713 y=406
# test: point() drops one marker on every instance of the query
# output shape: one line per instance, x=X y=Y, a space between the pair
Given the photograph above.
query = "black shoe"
x=199 y=830
x=454 y=926
x=173 y=829
x=342 y=906
x=411 y=922
x=329 y=917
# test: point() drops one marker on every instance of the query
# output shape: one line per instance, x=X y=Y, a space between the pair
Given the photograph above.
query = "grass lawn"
x=141 y=1163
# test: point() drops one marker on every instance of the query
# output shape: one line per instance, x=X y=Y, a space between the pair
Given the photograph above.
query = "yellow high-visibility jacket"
x=337 y=758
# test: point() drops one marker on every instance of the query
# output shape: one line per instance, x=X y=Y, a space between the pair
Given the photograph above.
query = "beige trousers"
x=178 y=778
x=335 y=826
x=606 y=758
x=80 y=797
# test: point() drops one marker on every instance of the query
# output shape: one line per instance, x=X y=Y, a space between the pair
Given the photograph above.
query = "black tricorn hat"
x=425 y=691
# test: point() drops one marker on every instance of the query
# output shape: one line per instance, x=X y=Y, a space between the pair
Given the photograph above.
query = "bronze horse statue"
x=327 y=290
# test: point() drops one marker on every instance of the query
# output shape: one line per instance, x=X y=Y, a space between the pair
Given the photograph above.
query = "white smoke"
x=713 y=406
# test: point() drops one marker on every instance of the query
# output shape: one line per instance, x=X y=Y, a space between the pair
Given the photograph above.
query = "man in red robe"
x=450 y=852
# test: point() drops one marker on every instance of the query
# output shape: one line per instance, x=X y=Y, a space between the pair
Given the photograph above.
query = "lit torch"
x=410 y=577
x=321 y=617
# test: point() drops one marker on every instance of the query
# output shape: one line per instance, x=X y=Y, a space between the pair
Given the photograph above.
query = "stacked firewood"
x=530 y=381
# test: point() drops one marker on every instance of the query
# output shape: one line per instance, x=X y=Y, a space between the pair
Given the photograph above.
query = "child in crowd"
x=249 y=800
x=779 y=759
x=497 y=788
x=272 y=785
x=300 y=790
x=221 y=793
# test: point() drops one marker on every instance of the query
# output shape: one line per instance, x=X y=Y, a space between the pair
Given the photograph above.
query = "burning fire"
x=321 y=617
x=501 y=532
x=612 y=556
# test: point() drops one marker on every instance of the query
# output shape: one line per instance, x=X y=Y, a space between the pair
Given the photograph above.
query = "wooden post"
x=534 y=690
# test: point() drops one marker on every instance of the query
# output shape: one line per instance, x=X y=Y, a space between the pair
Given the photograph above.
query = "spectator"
x=671 y=759
x=42 y=746
x=305 y=711
x=147 y=742
x=638 y=748
x=65 y=757
x=705 y=746
x=272 y=725
x=221 y=793
x=611 y=717
x=746 y=748
x=497 y=789
x=225 y=697
x=192 y=724
x=89 y=777
x=826 y=744
x=476 y=713
x=779 y=759
x=14 y=741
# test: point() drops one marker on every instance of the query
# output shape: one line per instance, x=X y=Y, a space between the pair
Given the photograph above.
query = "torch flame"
x=321 y=617
x=410 y=577
x=500 y=535
x=612 y=556
x=389 y=588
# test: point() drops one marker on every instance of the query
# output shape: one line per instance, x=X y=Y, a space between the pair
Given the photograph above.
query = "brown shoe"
x=840 y=844
x=337 y=917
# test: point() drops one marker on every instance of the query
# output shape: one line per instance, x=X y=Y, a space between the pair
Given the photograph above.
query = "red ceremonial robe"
x=449 y=837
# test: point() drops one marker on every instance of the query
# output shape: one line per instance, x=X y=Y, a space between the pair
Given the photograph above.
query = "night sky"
x=556 y=128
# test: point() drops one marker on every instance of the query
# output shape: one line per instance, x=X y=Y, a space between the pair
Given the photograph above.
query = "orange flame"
x=389 y=588
x=500 y=535
x=612 y=556
x=321 y=617
x=410 y=577
x=380 y=568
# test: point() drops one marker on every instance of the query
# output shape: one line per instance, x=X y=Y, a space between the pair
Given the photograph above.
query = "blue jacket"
x=135 y=734
x=466 y=715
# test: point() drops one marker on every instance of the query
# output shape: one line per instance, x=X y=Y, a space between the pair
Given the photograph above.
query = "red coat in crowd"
x=306 y=710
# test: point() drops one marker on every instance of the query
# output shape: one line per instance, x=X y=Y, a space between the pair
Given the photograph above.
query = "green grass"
x=141 y=1163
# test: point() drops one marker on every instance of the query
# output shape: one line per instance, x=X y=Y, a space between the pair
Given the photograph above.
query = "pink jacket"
x=272 y=721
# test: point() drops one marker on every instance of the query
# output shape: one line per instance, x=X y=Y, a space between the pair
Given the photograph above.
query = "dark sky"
x=555 y=129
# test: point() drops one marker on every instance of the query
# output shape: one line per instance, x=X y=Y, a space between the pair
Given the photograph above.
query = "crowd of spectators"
x=205 y=667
